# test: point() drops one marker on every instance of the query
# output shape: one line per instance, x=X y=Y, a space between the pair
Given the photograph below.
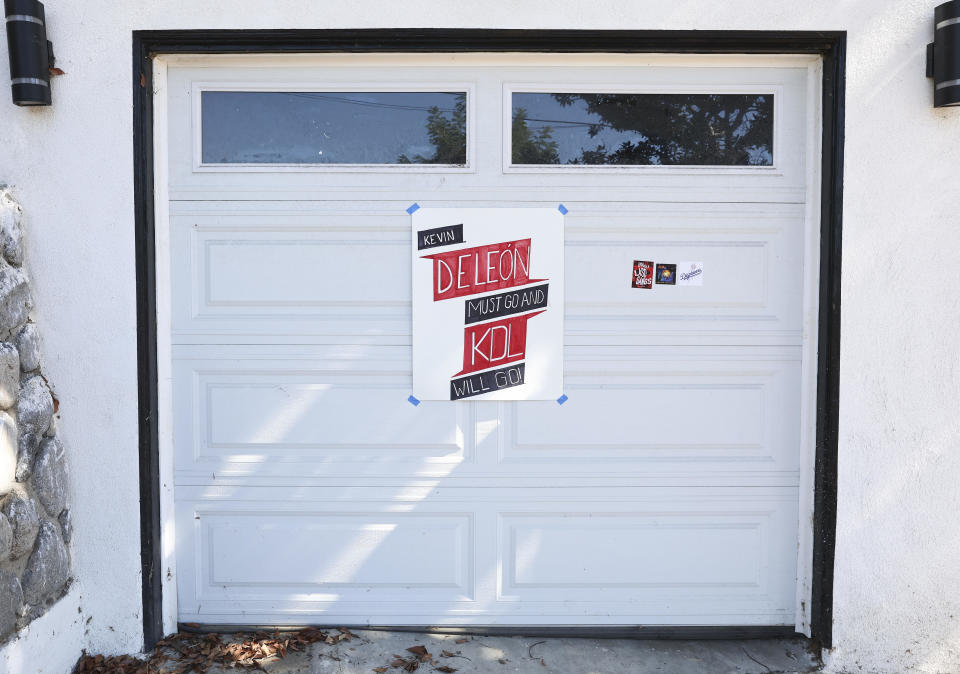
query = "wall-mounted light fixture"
x=943 y=55
x=31 y=54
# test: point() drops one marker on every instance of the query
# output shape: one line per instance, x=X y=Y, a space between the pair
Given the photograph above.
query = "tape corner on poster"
x=413 y=208
x=562 y=399
x=413 y=400
x=563 y=209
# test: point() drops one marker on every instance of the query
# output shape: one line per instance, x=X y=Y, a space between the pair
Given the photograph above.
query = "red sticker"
x=642 y=274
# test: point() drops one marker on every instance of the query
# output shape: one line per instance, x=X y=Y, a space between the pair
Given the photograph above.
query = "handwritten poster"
x=487 y=303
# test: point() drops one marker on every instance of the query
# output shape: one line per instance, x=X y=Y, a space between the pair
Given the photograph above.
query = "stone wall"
x=34 y=501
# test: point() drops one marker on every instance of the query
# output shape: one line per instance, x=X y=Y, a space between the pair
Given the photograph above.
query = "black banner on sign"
x=441 y=236
x=485 y=382
x=505 y=304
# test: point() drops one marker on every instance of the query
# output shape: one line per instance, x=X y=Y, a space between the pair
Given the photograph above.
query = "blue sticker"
x=562 y=209
x=413 y=208
x=413 y=401
x=666 y=274
x=562 y=399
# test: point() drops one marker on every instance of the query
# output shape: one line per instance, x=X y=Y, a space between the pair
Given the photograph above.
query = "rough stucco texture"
x=897 y=598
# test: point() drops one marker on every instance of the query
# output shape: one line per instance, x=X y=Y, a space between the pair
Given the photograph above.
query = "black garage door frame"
x=830 y=45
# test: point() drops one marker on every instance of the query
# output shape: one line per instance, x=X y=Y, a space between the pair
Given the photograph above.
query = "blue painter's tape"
x=413 y=401
x=562 y=399
x=563 y=209
x=414 y=207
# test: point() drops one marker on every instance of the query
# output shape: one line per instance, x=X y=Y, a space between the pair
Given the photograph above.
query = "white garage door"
x=666 y=491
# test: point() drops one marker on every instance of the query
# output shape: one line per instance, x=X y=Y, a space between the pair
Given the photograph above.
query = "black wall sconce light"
x=943 y=55
x=31 y=54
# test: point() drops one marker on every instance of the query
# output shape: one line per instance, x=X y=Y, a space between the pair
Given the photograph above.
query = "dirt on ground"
x=366 y=651
x=186 y=652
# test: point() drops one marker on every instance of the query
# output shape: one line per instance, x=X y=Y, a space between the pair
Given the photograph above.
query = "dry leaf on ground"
x=197 y=653
x=420 y=652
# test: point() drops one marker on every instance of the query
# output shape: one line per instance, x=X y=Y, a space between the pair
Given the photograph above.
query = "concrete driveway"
x=389 y=653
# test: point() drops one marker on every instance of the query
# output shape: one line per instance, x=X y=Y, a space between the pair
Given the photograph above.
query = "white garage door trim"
x=810 y=289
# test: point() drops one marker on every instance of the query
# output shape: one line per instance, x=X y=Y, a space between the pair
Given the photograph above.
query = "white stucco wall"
x=897 y=594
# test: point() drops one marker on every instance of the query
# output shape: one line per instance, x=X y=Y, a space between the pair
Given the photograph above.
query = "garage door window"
x=334 y=127
x=638 y=129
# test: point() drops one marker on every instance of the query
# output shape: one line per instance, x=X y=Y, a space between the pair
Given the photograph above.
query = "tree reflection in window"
x=447 y=131
x=643 y=129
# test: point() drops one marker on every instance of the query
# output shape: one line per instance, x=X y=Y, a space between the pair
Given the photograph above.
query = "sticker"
x=667 y=274
x=689 y=273
x=642 y=274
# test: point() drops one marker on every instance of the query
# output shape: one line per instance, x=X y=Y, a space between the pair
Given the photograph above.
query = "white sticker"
x=689 y=273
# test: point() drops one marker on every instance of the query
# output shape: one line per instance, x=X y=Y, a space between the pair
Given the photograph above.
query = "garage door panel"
x=304 y=413
x=361 y=557
x=512 y=190
x=316 y=274
x=671 y=555
x=680 y=611
x=661 y=411
x=609 y=417
x=233 y=414
x=282 y=272
x=590 y=556
x=636 y=556
x=745 y=298
x=248 y=415
x=276 y=275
